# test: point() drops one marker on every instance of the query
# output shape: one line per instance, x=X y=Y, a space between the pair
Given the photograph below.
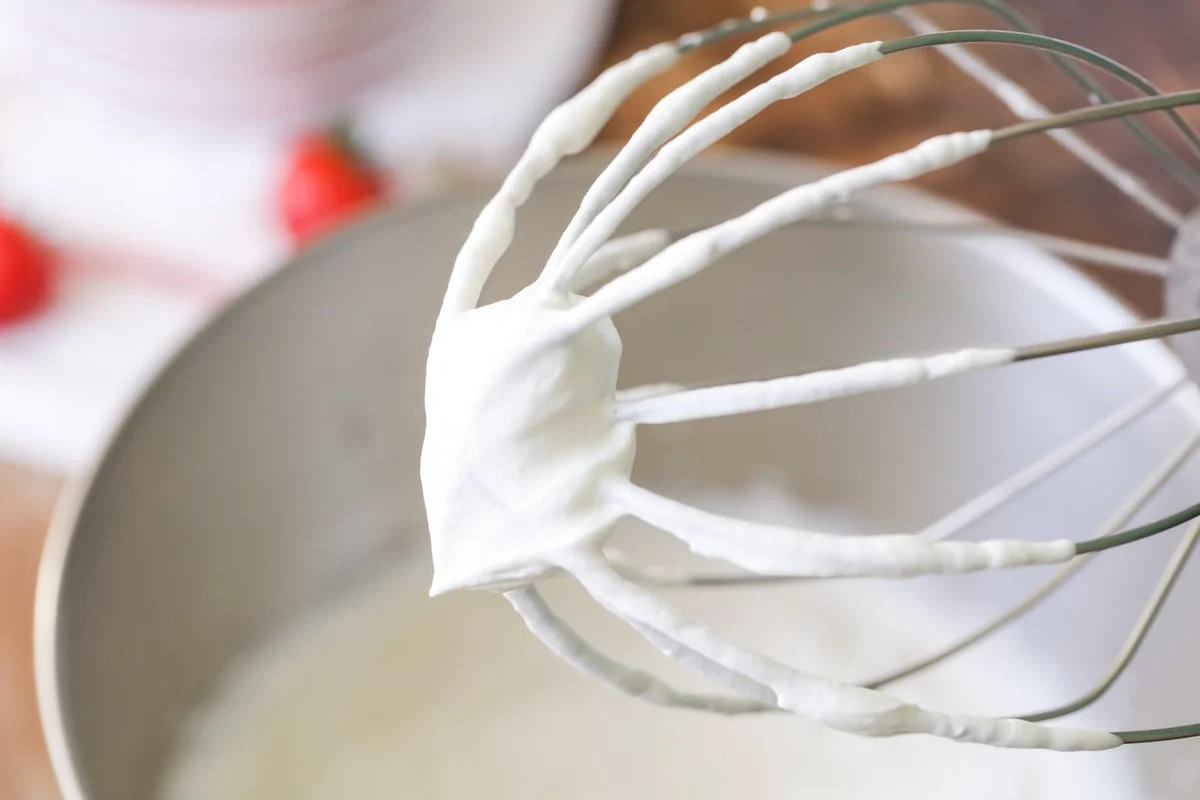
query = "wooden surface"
x=859 y=117
x=25 y=503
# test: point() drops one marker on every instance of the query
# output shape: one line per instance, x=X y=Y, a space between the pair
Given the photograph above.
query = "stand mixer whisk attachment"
x=530 y=445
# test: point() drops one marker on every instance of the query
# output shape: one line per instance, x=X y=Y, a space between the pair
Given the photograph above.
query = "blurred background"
x=165 y=155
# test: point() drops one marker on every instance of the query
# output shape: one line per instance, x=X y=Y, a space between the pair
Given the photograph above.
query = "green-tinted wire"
x=1083 y=116
x=1141 y=532
x=1158 y=734
x=1040 y=42
x=1174 y=165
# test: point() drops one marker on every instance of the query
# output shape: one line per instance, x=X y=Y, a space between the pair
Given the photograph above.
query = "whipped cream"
x=529 y=450
x=518 y=447
x=383 y=694
x=623 y=186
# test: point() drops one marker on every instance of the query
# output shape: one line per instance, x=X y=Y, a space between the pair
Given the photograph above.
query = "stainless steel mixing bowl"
x=276 y=456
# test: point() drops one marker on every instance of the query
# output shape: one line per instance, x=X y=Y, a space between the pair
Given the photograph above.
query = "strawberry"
x=327 y=182
x=24 y=273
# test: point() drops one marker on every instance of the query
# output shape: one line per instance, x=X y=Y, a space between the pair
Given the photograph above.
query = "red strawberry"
x=24 y=273
x=327 y=182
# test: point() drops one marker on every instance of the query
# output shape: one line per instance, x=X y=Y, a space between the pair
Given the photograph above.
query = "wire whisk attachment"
x=530 y=445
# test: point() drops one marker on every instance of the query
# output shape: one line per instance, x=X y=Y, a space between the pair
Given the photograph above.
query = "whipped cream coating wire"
x=529 y=446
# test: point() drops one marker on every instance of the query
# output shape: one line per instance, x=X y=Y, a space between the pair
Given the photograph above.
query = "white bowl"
x=276 y=458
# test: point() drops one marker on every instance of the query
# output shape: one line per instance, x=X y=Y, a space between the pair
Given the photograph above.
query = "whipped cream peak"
x=519 y=442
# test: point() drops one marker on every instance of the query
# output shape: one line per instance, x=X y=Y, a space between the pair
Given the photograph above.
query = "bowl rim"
x=1062 y=281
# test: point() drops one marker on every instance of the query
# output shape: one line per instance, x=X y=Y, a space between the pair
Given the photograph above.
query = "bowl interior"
x=276 y=459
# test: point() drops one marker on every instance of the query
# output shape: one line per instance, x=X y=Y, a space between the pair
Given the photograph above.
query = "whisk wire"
x=956 y=521
x=1137 y=635
x=1131 y=335
x=1084 y=116
x=1132 y=535
x=568 y=645
x=626 y=252
x=1136 y=501
x=819 y=386
x=1158 y=734
x=1053 y=49
x=662 y=263
x=834 y=14
x=1088 y=252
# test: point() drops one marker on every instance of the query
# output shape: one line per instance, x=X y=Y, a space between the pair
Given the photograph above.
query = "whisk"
x=530 y=446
